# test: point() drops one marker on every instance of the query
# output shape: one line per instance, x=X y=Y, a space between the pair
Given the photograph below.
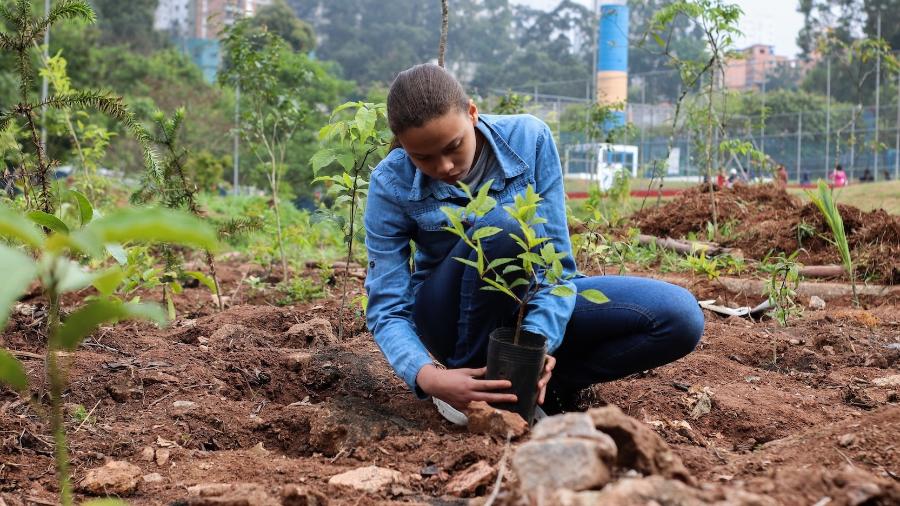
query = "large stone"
x=468 y=482
x=229 y=332
x=297 y=360
x=296 y=495
x=369 y=479
x=551 y=464
x=230 y=494
x=484 y=419
x=114 y=478
x=575 y=425
x=638 y=446
x=655 y=490
x=313 y=333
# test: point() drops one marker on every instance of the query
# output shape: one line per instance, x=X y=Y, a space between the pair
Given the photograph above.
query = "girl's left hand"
x=549 y=364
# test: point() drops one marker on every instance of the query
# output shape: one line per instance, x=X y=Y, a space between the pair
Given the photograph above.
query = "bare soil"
x=766 y=219
x=796 y=413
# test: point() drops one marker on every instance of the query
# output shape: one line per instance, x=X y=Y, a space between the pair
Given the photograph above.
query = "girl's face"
x=444 y=148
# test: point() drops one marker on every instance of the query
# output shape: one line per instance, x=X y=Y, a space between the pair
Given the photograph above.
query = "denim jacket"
x=405 y=205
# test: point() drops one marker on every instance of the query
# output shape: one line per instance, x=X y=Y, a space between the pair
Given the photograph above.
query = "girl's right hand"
x=459 y=387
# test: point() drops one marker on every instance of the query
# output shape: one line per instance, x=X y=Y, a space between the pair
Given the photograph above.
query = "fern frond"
x=5 y=118
x=7 y=14
x=6 y=43
x=66 y=9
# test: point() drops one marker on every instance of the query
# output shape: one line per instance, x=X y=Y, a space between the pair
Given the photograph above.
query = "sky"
x=773 y=22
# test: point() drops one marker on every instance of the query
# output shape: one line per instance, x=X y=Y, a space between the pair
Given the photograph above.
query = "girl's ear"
x=473 y=112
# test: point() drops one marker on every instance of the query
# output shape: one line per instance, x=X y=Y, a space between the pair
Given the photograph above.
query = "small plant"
x=28 y=31
x=300 y=289
x=781 y=287
x=353 y=142
x=59 y=272
x=537 y=267
x=172 y=187
x=825 y=202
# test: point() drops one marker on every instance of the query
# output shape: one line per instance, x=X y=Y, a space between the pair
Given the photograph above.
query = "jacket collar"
x=510 y=162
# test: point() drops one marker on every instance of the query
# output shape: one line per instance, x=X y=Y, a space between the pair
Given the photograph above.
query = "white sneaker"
x=457 y=417
x=450 y=413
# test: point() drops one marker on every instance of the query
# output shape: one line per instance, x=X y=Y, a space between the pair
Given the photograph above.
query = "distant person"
x=781 y=177
x=721 y=180
x=804 y=179
x=732 y=178
x=839 y=177
x=866 y=177
x=887 y=175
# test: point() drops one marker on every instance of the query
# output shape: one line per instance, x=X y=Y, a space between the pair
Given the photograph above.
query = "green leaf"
x=346 y=160
x=344 y=106
x=562 y=291
x=12 y=373
x=483 y=232
x=595 y=296
x=203 y=278
x=118 y=253
x=512 y=268
x=532 y=257
x=18 y=272
x=147 y=225
x=86 y=320
x=15 y=226
x=48 y=220
x=321 y=159
x=107 y=281
x=466 y=261
x=519 y=282
x=498 y=262
x=69 y=275
x=365 y=122
x=85 y=209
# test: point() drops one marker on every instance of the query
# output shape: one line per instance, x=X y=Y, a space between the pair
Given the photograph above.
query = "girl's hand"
x=459 y=387
x=549 y=364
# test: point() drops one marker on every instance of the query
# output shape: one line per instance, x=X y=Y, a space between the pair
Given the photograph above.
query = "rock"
x=575 y=425
x=369 y=479
x=888 y=381
x=297 y=361
x=183 y=407
x=484 y=419
x=120 y=392
x=847 y=440
x=550 y=464
x=316 y=332
x=655 y=490
x=229 y=332
x=229 y=494
x=296 y=495
x=638 y=446
x=147 y=454
x=116 y=477
x=468 y=482
x=816 y=303
x=162 y=456
x=152 y=478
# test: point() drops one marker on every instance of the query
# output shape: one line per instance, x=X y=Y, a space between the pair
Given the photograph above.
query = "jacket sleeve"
x=549 y=314
x=388 y=281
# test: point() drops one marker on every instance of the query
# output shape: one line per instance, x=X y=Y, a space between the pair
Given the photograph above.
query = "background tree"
x=280 y=19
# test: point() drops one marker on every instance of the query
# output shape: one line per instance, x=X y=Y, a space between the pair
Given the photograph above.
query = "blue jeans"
x=646 y=323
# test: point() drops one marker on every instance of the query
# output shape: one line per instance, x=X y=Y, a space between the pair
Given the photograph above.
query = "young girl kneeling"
x=436 y=311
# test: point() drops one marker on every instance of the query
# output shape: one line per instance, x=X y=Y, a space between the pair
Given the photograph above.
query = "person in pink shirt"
x=839 y=177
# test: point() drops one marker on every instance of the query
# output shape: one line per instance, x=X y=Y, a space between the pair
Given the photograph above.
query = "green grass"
x=868 y=196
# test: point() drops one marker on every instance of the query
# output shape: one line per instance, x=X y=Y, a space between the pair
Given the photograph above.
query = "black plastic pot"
x=520 y=363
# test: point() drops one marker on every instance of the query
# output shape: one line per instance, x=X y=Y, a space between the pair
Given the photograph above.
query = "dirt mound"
x=763 y=219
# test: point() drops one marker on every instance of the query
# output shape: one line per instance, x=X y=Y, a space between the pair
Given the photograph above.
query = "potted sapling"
x=513 y=353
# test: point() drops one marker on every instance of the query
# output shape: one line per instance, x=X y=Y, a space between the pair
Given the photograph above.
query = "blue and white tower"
x=612 y=57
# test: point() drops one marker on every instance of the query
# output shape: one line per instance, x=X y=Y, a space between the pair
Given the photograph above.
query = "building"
x=196 y=25
x=749 y=72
